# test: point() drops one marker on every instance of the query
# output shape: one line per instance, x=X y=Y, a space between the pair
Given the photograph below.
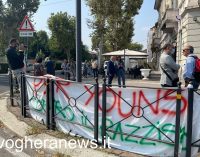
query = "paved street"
x=4 y=83
x=6 y=151
x=6 y=134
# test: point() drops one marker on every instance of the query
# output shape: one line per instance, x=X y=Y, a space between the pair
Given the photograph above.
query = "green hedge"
x=58 y=66
x=3 y=68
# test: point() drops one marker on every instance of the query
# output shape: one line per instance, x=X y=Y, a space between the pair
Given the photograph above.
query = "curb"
x=11 y=122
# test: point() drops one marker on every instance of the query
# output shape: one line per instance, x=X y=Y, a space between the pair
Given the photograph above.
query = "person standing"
x=188 y=73
x=50 y=67
x=69 y=69
x=95 y=68
x=63 y=66
x=120 y=72
x=111 y=69
x=85 y=69
x=16 y=59
x=73 y=69
x=38 y=67
x=169 y=68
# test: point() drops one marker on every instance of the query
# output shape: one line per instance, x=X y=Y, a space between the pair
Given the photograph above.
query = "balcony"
x=156 y=42
x=169 y=21
x=156 y=39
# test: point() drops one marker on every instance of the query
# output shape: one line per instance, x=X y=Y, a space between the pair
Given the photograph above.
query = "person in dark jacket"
x=50 y=67
x=120 y=72
x=16 y=58
x=111 y=69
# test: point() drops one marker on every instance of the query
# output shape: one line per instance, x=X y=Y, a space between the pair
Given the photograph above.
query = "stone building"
x=178 y=23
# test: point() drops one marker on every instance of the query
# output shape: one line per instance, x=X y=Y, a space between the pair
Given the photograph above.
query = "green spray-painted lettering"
x=128 y=138
x=85 y=121
x=118 y=131
x=65 y=112
x=41 y=103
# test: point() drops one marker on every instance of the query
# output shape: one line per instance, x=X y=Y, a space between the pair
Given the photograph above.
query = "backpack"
x=38 y=69
x=196 y=72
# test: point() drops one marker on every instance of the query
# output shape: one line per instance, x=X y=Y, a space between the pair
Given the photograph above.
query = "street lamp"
x=78 y=41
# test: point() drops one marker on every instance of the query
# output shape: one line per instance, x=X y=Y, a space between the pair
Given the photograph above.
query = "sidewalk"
x=13 y=121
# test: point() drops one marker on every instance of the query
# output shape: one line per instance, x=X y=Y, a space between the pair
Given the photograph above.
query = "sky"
x=143 y=21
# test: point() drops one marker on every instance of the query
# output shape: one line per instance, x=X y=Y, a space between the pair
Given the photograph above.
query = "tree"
x=11 y=14
x=135 y=46
x=39 y=43
x=113 y=22
x=2 y=29
x=62 y=27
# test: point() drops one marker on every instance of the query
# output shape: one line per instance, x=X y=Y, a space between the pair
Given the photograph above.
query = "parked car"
x=29 y=68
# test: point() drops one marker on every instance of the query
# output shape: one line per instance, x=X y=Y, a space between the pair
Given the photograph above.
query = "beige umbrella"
x=126 y=52
x=93 y=52
x=130 y=53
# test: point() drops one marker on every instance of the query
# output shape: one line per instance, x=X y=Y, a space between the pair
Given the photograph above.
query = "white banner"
x=134 y=115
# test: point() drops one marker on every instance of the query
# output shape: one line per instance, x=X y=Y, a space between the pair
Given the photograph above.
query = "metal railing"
x=177 y=126
x=189 y=142
x=52 y=114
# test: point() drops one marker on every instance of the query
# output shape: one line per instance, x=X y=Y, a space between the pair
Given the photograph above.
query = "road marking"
x=12 y=150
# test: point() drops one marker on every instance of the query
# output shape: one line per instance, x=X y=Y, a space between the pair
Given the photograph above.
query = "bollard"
x=11 y=88
x=178 y=116
x=52 y=110
x=103 y=132
x=189 y=119
x=96 y=113
x=48 y=104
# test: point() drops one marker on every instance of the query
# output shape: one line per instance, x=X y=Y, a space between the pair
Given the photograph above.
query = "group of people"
x=15 y=57
x=90 y=68
x=169 y=68
x=39 y=67
x=68 y=69
x=116 y=66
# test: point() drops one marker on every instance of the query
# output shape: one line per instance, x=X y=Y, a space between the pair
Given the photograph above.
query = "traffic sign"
x=26 y=34
x=26 y=25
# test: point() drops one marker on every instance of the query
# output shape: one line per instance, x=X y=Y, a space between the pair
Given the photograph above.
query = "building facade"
x=178 y=23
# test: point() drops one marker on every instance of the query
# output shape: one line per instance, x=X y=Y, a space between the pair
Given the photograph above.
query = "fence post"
x=52 y=113
x=96 y=113
x=23 y=85
x=48 y=105
x=189 y=120
x=11 y=88
x=178 y=116
x=103 y=132
x=22 y=94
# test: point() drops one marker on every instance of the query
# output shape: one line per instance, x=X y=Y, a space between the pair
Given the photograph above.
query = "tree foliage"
x=39 y=43
x=135 y=46
x=113 y=22
x=62 y=42
x=11 y=14
x=62 y=27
